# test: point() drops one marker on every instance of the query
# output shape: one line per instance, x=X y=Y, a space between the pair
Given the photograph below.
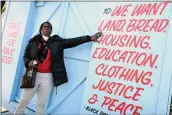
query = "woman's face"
x=46 y=29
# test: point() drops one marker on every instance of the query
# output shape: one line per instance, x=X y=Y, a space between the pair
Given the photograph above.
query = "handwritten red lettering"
x=14 y=25
x=137 y=93
x=8 y=50
x=13 y=34
x=119 y=89
x=117 y=49
x=6 y=59
x=115 y=105
x=131 y=106
x=149 y=25
x=120 y=10
x=11 y=42
x=125 y=41
x=122 y=73
x=112 y=25
x=164 y=6
x=149 y=9
x=129 y=57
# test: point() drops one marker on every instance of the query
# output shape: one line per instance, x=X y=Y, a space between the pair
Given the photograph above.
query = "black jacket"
x=56 y=45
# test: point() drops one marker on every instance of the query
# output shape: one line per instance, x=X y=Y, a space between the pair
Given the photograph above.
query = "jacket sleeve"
x=72 y=42
x=26 y=56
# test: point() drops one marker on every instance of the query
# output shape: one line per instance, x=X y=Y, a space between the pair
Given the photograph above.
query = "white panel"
x=12 y=40
x=148 y=97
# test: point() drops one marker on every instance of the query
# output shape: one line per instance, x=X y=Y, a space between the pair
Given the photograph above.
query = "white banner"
x=125 y=70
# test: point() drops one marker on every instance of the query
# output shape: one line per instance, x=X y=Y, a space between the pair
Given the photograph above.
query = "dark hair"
x=43 y=24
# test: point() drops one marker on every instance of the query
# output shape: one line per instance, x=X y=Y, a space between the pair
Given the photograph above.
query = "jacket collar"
x=37 y=38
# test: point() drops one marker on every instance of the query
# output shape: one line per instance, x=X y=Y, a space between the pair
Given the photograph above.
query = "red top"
x=45 y=66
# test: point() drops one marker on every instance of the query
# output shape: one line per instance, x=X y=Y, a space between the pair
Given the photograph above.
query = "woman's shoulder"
x=56 y=38
x=36 y=38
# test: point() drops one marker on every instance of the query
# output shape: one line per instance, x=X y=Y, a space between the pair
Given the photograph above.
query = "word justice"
x=119 y=89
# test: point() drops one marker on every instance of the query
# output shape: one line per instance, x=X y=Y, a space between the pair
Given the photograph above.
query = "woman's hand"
x=96 y=36
x=32 y=63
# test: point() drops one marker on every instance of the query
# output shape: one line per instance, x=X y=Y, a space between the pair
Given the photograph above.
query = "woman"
x=47 y=52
